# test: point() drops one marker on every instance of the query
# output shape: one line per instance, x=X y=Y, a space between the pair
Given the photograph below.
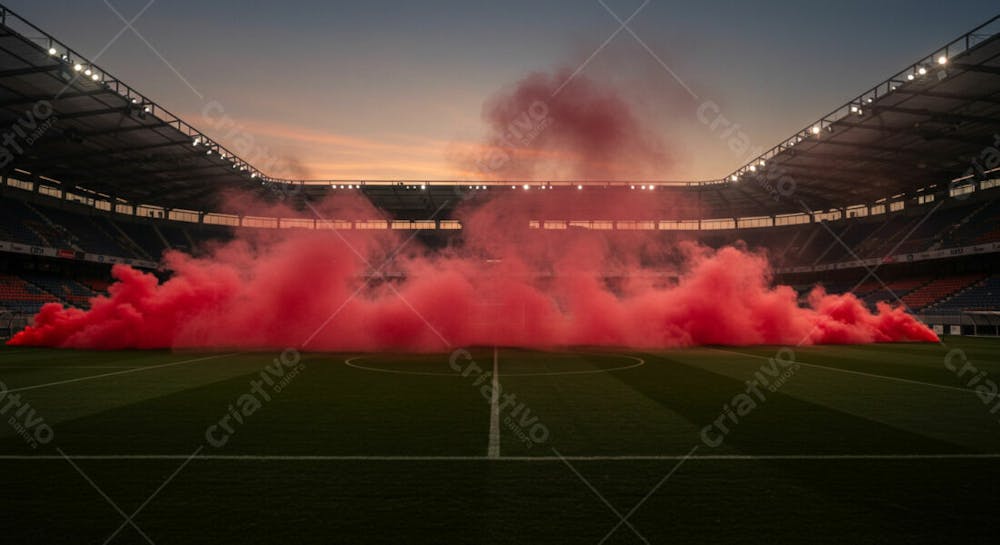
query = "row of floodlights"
x=242 y=167
x=857 y=109
x=92 y=73
x=752 y=168
x=88 y=71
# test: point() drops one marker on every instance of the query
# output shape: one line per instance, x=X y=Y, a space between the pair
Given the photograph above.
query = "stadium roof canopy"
x=65 y=119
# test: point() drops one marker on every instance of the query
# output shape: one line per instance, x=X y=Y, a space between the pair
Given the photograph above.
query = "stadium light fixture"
x=816 y=129
x=734 y=178
x=95 y=77
x=423 y=187
x=579 y=186
x=526 y=187
x=53 y=52
x=753 y=168
x=88 y=72
x=922 y=71
x=633 y=187
x=942 y=60
x=910 y=77
x=78 y=67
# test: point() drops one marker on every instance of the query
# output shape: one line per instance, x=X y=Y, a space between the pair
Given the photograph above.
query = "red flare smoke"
x=532 y=288
x=561 y=125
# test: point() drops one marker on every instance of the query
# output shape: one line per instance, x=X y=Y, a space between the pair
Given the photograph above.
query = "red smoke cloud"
x=558 y=126
x=504 y=284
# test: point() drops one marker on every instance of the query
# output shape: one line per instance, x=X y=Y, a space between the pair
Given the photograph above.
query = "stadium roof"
x=922 y=127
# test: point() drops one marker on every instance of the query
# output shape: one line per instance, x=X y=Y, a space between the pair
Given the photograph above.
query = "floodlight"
x=942 y=60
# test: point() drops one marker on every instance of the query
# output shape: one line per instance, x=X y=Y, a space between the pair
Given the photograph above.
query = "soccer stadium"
x=199 y=348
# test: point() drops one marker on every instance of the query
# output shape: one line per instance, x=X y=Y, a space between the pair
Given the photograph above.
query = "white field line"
x=493 y=451
x=116 y=373
x=549 y=459
x=860 y=373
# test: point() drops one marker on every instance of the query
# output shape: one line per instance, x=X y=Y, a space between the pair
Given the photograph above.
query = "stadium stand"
x=145 y=238
x=983 y=295
x=81 y=232
x=17 y=295
x=67 y=291
x=893 y=291
x=14 y=226
x=175 y=238
x=19 y=223
x=939 y=289
x=98 y=287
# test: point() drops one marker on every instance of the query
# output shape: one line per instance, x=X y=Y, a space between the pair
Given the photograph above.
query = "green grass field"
x=859 y=444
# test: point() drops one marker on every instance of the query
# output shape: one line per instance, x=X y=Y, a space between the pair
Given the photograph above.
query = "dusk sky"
x=391 y=89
